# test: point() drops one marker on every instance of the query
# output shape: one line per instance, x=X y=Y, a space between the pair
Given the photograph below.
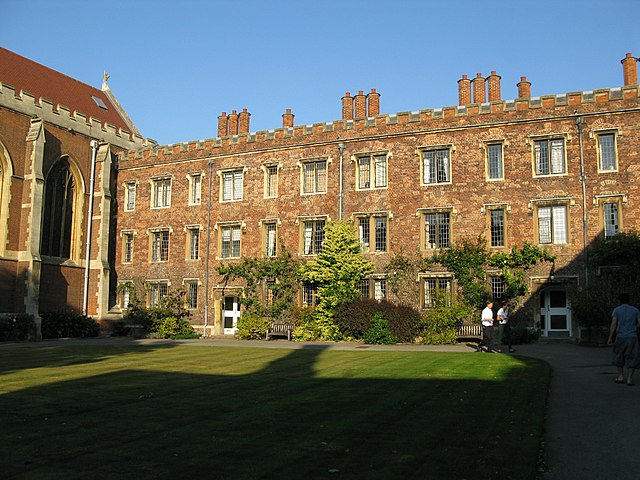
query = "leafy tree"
x=337 y=271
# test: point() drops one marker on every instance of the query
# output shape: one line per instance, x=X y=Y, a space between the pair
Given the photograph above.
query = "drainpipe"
x=206 y=278
x=94 y=154
x=583 y=180
x=340 y=188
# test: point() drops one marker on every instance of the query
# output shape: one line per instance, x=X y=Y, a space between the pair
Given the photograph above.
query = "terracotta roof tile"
x=44 y=82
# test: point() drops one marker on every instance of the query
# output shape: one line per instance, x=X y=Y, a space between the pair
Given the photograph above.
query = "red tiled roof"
x=43 y=82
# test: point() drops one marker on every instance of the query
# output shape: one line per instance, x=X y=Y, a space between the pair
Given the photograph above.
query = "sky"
x=176 y=65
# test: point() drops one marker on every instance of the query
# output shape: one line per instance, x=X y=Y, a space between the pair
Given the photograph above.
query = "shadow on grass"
x=283 y=421
x=51 y=355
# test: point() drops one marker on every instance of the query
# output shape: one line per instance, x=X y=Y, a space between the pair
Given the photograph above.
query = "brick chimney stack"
x=244 y=117
x=524 y=88
x=361 y=105
x=347 y=107
x=479 y=90
x=464 y=91
x=232 y=123
x=287 y=119
x=630 y=70
x=493 y=86
x=223 y=125
x=373 y=103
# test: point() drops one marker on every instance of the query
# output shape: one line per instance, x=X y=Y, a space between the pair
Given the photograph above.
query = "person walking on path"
x=503 y=326
x=625 y=321
x=487 y=328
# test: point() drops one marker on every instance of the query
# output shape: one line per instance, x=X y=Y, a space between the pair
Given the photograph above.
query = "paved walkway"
x=593 y=425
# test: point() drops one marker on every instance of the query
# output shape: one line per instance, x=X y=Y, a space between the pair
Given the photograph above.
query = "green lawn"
x=171 y=411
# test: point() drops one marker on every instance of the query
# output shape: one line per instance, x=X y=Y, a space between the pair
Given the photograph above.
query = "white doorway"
x=555 y=312
x=230 y=314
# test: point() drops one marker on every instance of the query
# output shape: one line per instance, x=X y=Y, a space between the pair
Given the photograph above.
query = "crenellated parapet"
x=25 y=103
x=401 y=123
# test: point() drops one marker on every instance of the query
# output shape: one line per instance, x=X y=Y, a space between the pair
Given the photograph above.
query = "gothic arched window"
x=60 y=192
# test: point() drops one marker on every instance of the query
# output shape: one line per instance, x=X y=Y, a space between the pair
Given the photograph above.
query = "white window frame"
x=440 y=213
x=195 y=188
x=432 y=284
x=232 y=185
x=314 y=176
x=191 y=286
x=490 y=149
x=553 y=224
x=271 y=180
x=270 y=238
x=376 y=174
x=549 y=156
x=367 y=225
x=312 y=237
x=610 y=155
x=230 y=240
x=436 y=170
x=157 y=290
x=128 y=240
x=161 y=192
x=130 y=196
x=157 y=252
x=193 y=233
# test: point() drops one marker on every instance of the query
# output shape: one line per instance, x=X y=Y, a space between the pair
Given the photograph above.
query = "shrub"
x=441 y=324
x=521 y=334
x=252 y=326
x=170 y=327
x=64 y=324
x=17 y=326
x=379 y=332
x=355 y=318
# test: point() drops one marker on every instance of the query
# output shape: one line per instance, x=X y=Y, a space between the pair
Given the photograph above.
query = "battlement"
x=24 y=102
x=391 y=124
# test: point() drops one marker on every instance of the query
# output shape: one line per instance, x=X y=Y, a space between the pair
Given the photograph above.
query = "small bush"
x=379 y=333
x=170 y=327
x=356 y=318
x=17 y=326
x=252 y=326
x=521 y=334
x=441 y=324
x=65 y=324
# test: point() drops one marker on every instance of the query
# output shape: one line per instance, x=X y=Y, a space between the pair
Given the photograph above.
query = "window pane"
x=381 y=170
x=381 y=234
x=380 y=289
x=226 y=242
x=227 y=186
x=321 y=176
x=235 y=242
x=495 y=161
x=544 y=224
x=443 y=230
x=308 y=180
x=559 y=224
x=607 y=152
x=542 y=157
x=443 y=165
x=364 y=172
x=610 y=219
x=497 y=228
x=363 y=233
x=192 y=295
x=557 y=156
x=194 y=243
x=196 y=188
x=272 y=181
x=429 y=167
x=270 y=239
x=238 y=177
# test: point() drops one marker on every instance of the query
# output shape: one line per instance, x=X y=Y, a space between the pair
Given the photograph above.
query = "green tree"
x=336 y=271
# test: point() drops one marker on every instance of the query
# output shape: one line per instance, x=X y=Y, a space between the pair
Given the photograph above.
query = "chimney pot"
x=493 y=86
x=373 y=103
x=347 y=107
x=360 y=101
x=233 y=123
x=223 y=125
x=464 y=91
x=244 y=119
x=287 y=119
x=630 y=70
x=479 y=89
x=524 y=88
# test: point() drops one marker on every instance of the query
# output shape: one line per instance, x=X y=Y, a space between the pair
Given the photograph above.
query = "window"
x=377 y=225
x=314 y=177
x=436 y=166
x=157 y=291
x=125 y=298
x=59 y=211
x=160 y=245
x=310 y=295
x=130 y=194
x=375 y=286
x=372 y=171
x=270 y=243
x=161 y=192
x=232 y=185
x=497 y=288
x=495 y=162
x=127 y=247
x=497 y=227
x=271 y=181
x=193 y=237
x=549 y=157
x=195 y=189
x=313 y=236
x=610 y=219
x=607 y=152
x=437 y=291
x=552 y=224
x=230 y=241
x=268 y=293
x=437 y=230
x=192 y=294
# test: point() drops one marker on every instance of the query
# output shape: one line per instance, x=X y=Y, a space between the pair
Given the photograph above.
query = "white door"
x=555 y=314
x=230 y=314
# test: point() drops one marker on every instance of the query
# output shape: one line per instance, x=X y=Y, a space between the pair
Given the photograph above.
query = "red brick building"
x=54 y=132
x=551 y=170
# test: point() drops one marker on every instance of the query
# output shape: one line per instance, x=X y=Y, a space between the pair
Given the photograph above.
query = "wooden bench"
x=472 y=330
x=279 y=329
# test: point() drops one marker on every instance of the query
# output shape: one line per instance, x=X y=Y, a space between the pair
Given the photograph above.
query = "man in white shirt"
x=487 y=328
x=505 y=328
